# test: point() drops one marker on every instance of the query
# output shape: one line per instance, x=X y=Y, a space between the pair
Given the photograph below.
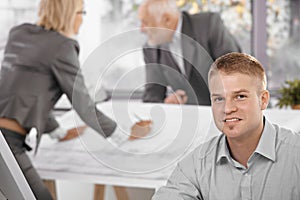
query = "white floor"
x=78 y=191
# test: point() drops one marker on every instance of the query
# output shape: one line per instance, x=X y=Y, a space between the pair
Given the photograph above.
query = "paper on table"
x=175 y=130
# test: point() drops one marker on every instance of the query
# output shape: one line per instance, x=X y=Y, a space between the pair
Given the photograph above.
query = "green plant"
x=290 y=94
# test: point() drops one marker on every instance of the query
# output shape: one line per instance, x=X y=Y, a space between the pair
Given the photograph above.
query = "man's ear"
x=265 y=97
x=166 y=20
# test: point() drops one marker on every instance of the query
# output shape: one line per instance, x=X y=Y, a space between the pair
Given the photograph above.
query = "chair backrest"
x=13 y=184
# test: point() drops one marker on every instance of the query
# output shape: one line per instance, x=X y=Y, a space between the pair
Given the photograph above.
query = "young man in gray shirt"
x=252 y=158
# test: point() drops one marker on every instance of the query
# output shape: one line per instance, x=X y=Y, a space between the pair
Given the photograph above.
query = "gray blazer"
x=38 y=67
x=204 y=39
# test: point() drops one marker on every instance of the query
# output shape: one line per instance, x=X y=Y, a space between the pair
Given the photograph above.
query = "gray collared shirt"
x=210 y=172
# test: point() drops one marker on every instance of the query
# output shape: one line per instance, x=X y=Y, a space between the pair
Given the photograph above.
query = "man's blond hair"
x=239 y=63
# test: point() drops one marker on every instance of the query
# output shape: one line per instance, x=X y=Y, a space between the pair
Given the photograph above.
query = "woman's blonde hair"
x=58 y=15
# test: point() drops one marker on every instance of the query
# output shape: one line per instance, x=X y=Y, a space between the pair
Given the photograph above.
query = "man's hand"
x=73 y=133
x=179 y=97
x=140 y=129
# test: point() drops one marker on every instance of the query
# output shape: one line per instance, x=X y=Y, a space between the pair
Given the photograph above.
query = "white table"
x=143 y=163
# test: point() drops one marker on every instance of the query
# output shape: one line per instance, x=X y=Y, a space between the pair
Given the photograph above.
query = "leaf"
x=289 y=93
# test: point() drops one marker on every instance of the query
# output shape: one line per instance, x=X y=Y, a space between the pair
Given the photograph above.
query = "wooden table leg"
x=50 y=184
x=121 y=193
x=99 y=192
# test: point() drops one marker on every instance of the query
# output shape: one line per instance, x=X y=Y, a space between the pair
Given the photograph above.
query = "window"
x=113 y=25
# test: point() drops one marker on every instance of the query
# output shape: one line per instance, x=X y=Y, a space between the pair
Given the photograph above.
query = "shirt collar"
x=179 y=24
x=223 y=151
x=265 y=147
x=267 y=142
x=177 y=33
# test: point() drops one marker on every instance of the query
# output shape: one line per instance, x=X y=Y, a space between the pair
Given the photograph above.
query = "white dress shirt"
x=176 y=47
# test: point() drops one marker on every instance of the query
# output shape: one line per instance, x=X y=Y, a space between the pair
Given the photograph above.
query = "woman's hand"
x=73 y=133
x=140 y=129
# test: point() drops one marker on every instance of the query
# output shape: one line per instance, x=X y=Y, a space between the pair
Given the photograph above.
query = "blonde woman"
x=40 y=64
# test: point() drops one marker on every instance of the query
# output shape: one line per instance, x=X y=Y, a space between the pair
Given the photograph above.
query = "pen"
x=182 y=95
x=138 y=117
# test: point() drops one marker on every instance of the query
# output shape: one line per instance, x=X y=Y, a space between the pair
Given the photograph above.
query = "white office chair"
x=13 y=184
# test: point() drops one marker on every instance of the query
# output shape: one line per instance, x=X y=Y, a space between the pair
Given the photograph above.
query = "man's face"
x=157 y=31
x=237 y=104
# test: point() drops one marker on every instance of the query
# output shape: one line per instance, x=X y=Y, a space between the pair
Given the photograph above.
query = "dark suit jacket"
x=204 y=38
x=38 y=67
